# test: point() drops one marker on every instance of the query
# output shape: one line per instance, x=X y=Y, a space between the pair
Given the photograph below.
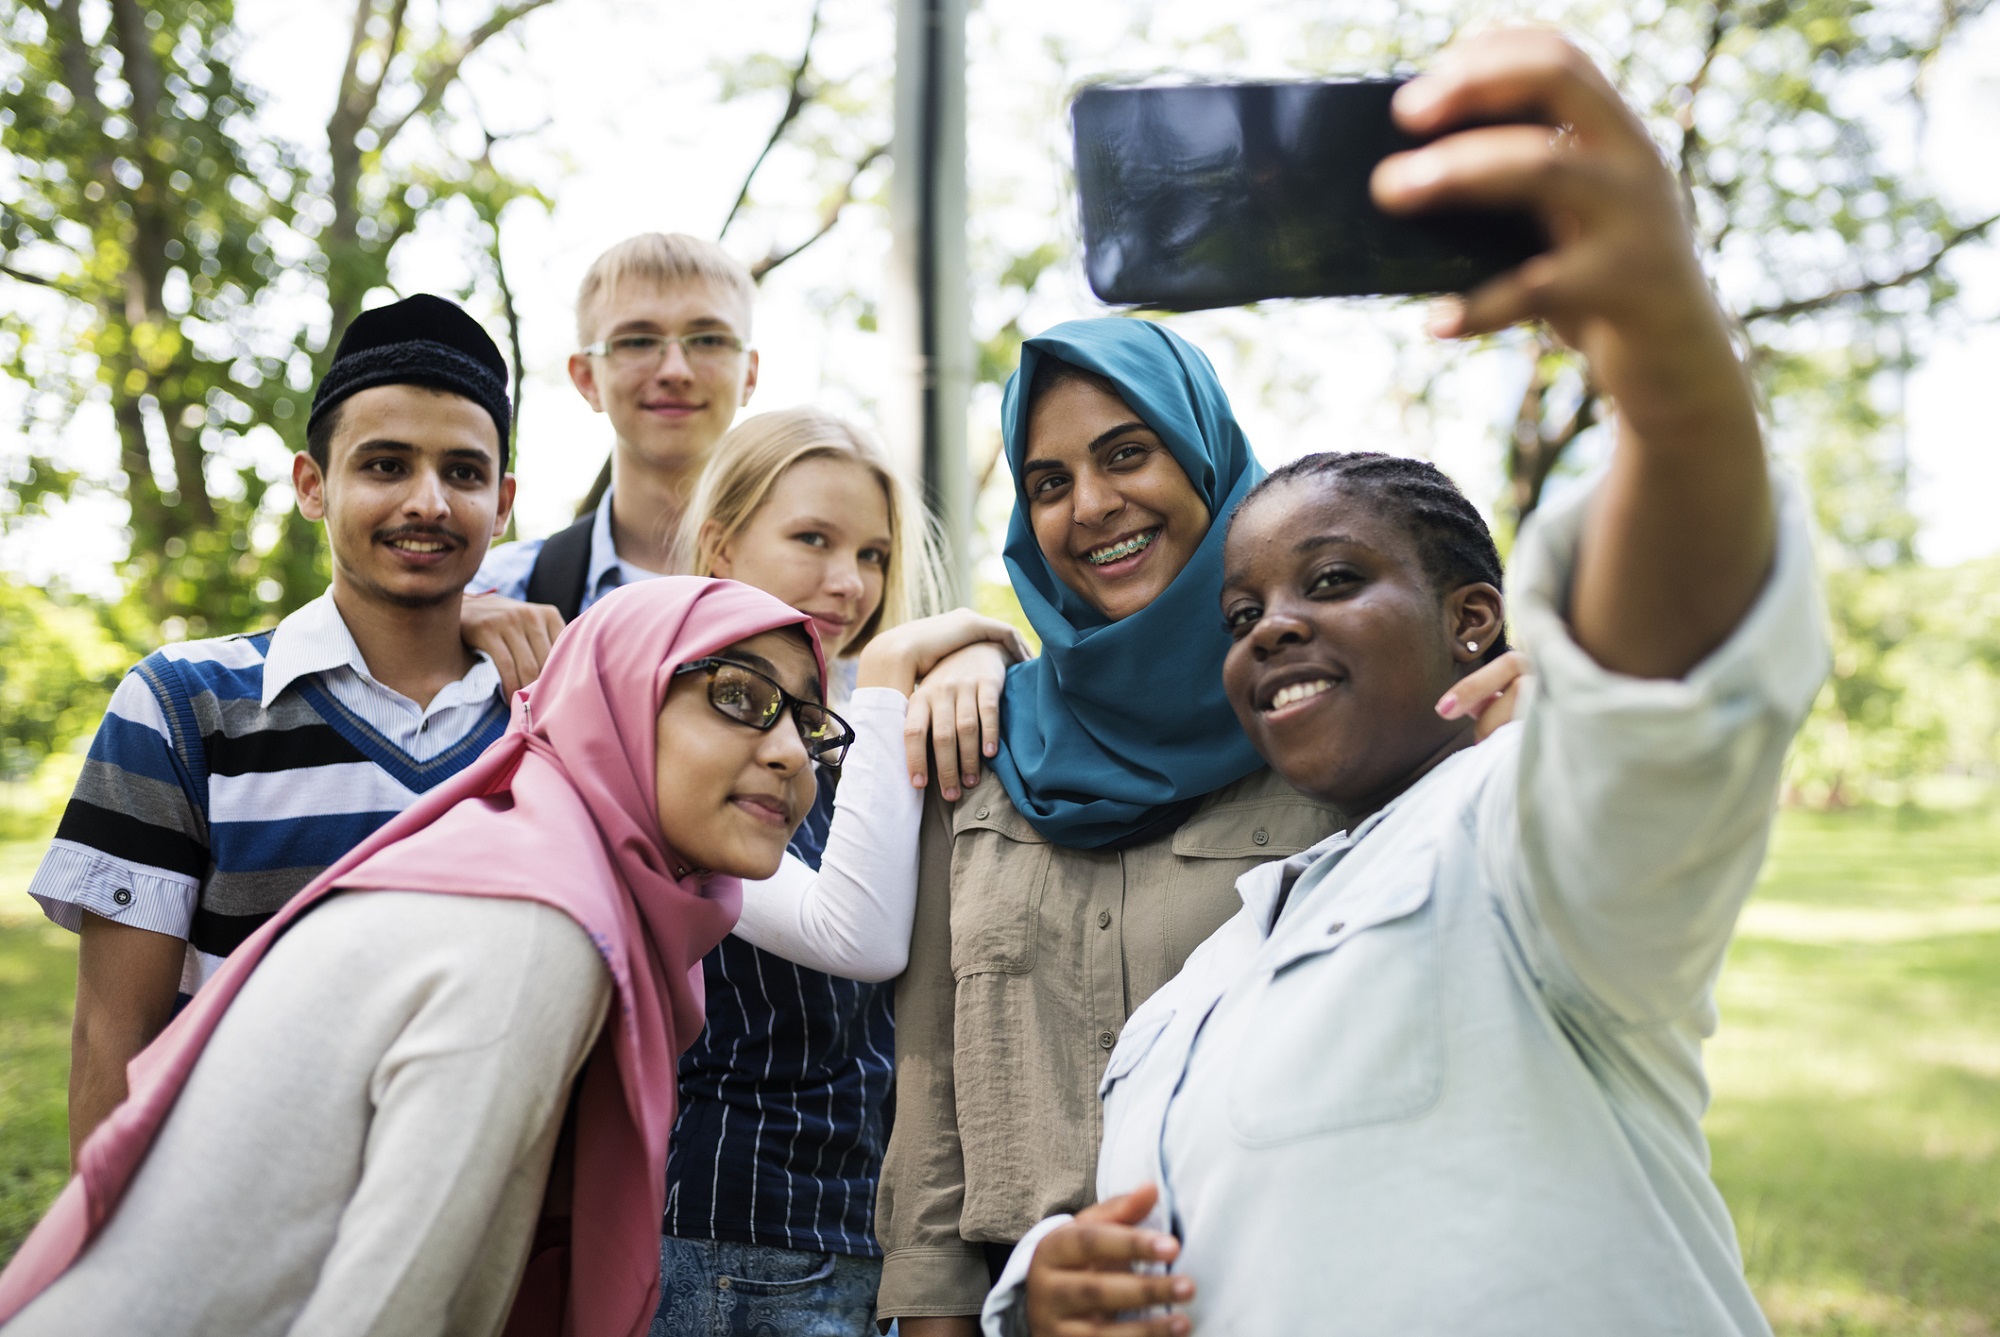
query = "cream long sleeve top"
x=852 y=917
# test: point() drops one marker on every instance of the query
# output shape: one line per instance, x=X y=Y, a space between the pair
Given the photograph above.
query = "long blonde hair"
x=748 y=462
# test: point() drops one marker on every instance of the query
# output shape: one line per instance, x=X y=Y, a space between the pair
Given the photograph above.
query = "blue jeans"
x=712 y=1288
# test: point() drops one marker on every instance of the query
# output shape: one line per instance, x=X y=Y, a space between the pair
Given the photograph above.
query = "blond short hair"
x=660 y=259
x=754 y=455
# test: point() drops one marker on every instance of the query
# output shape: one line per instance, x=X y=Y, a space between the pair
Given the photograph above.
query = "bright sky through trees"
x=617 y=102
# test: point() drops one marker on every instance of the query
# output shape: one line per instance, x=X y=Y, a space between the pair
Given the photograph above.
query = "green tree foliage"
x=186 y=239
x=59 y=669
x=1814 y=222
x=143 y=193
x=1915 y=687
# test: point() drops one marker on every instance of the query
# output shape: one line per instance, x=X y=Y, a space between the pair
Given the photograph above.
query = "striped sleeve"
x=133 y=843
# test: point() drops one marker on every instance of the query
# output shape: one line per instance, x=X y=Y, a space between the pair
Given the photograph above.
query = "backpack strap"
x=562 y=568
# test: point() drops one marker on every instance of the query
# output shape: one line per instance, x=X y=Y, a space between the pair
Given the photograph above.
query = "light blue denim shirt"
x=1458 y=1088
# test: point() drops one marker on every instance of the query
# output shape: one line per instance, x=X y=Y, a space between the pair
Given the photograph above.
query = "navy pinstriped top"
x=784 y=1098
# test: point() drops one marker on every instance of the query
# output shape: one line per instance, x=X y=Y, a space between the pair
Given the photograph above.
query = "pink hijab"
x=578 y=763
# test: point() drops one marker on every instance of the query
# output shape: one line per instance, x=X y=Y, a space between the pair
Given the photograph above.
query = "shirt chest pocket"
x=999 y=874
x=1346 y=1027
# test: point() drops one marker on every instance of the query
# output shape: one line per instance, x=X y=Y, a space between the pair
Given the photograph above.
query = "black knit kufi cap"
x=421 y=340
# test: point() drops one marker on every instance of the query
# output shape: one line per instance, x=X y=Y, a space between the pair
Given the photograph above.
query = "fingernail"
x=1183 y=1288
x=1446 y=318
x=992 y=749
x=1416 y=97
x=971 y=779
x=1447 y=707
x=950 y=794
x=918 y=779
x=1165 y=1246
x=1415 y=171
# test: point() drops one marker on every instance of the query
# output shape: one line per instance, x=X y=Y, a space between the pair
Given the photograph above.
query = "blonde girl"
x=774 y=1158
x=807 y=506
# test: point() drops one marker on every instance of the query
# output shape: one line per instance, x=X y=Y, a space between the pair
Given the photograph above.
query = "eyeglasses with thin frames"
x=741 y=693
x=706 y=348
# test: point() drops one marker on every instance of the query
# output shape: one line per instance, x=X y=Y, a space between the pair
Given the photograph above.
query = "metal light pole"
x=927 y=313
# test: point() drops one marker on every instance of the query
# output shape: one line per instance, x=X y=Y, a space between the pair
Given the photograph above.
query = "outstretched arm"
x=1680 y=535
x=1670 y=613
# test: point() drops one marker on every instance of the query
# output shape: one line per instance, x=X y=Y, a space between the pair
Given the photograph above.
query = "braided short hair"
x=1452 y=539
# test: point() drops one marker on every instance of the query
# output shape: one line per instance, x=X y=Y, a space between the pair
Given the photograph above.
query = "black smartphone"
x=1206 y=195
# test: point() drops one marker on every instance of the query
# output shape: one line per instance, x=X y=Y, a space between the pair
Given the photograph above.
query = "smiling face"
x=1112 y=510
x=671 y=411
x=820 y=542
x=729 y=797
x=1341 y=643
x=412 y=494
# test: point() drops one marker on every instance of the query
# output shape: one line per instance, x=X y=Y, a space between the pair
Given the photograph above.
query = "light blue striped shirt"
x=507 y=566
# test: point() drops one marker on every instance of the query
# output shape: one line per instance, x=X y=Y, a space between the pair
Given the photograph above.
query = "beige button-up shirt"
x=1025 y=961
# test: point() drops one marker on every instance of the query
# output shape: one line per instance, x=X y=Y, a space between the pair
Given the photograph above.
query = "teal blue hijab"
x=1119 y=725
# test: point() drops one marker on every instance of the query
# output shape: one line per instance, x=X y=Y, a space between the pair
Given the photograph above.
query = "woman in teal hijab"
x=1104 y=845
x=1084 y=757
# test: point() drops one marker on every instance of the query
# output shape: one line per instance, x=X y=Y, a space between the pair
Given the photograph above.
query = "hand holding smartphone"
x=1211 y=195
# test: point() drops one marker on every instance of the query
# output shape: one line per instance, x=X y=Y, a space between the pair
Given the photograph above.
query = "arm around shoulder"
x=852 y=917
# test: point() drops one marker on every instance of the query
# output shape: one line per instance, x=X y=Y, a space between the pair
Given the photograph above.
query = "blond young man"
x=663 y=350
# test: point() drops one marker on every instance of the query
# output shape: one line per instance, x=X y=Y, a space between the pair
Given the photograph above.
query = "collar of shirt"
x=1265 y=886
x=315 y=639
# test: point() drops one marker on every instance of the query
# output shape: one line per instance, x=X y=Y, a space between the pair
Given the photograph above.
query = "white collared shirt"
x=1457 y=1086
x=315 y=640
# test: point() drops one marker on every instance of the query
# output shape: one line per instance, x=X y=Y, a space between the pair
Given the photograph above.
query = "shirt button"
x=722 y=1283
x=122 y=896
x=1104 y=919
x=980 y=816
x=1260 y=837
x=1335 y=927
x=1105 y=1039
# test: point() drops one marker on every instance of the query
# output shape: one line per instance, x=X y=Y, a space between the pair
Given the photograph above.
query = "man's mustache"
x=435 y=533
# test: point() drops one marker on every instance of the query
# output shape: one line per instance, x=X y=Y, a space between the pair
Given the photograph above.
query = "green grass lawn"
x=37 y=984
x=1856 y=1125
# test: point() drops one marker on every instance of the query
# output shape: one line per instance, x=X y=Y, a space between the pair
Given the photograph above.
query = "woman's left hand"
x=952 y=668
x=955 y=716
x=1492 y=695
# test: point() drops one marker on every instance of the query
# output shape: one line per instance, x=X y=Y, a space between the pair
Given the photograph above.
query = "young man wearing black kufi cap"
x=228 y=772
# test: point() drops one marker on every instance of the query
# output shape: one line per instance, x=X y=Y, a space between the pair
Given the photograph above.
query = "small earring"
x=1472 y=646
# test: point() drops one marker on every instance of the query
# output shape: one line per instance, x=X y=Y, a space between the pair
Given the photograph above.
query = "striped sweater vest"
x=252 y=802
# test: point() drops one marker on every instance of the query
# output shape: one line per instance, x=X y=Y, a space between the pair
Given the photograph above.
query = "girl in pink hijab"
x=478 y=1056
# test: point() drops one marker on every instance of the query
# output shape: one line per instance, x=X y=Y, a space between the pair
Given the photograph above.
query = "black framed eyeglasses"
x=741 y=693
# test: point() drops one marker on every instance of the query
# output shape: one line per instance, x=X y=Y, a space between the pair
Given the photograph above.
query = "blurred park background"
x=195 y=194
